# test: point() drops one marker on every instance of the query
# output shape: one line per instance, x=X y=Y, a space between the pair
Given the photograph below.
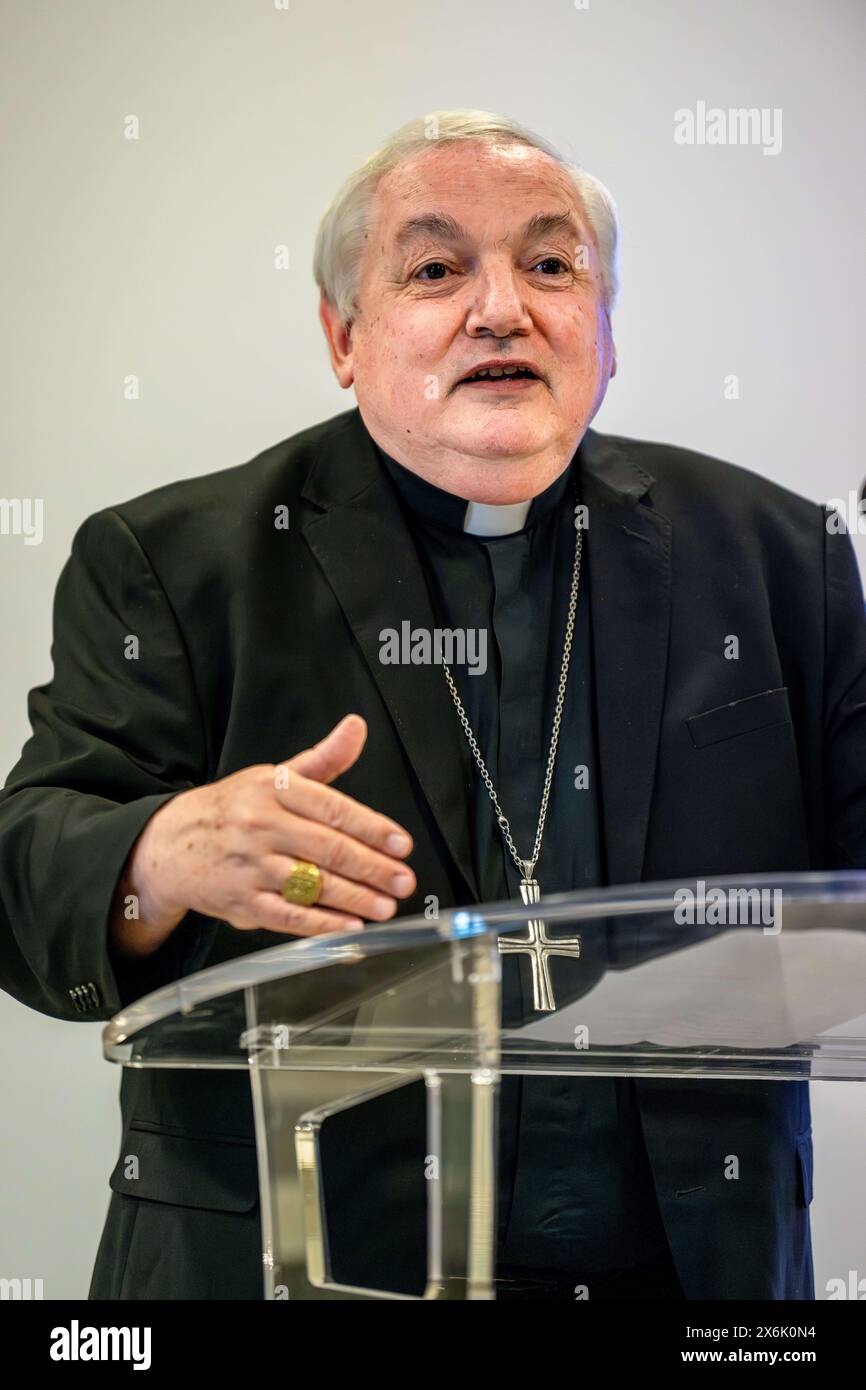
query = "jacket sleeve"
x=844 y=702
x=117 y=731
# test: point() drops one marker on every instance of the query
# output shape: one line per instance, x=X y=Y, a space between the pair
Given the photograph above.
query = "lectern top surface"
x=724 y=976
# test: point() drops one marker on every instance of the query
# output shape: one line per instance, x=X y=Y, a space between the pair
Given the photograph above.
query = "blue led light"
x=464 y=925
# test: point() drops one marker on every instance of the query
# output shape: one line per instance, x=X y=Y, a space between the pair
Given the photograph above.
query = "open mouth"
x=499 y=376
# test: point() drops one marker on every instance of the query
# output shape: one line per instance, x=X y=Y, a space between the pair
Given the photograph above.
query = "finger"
x=302 y=838
x=273 y=913
x=355 y=899
x=335 y=753
x=341 y=812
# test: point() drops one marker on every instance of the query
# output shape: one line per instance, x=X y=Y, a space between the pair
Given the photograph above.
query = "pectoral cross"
x=539 y=947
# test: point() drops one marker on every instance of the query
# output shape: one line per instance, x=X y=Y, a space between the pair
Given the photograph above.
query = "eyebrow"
x=440 y=226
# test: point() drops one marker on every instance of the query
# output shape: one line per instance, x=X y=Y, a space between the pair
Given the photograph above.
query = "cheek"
x=583 y=343
x=412 y=348
x=381 y=357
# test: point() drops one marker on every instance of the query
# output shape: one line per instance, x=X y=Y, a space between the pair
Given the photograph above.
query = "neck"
x=493 y=482
x=481 y=519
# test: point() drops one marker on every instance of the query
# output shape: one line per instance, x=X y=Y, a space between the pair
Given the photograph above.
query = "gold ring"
x=303 y=885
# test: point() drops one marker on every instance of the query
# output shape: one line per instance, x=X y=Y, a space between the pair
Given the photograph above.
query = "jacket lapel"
x=361 y=541
x=629 y=546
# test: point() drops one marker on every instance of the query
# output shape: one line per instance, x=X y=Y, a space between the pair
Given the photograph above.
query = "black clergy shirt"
x=576 y=1196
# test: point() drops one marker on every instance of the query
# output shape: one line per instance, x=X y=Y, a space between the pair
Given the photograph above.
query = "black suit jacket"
x=254 y=641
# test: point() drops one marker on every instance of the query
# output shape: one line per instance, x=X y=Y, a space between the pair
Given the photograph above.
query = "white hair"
x=347 y=222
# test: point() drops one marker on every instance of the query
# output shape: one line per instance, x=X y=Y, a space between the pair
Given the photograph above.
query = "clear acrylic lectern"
x=757 y=979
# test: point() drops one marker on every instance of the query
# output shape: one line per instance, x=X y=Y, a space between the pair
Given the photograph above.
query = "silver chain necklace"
x=529 y=888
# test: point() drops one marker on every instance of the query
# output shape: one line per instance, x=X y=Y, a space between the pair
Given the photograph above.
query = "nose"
x=498 y=305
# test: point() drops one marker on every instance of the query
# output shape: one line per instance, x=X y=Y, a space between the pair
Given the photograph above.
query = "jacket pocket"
x=740 y=717
x=210 y=1174
x=804 y=1159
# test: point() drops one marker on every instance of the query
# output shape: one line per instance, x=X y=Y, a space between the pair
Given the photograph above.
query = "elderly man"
x=676 y=686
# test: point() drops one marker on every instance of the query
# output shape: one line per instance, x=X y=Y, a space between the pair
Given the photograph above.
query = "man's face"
x=455 y=274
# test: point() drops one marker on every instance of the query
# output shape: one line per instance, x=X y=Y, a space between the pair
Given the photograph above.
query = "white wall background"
x=155 y=257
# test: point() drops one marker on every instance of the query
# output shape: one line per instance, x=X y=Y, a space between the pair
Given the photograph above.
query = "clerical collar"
x=475 y=518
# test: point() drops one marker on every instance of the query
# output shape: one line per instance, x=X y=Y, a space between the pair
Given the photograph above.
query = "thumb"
x=336 y=752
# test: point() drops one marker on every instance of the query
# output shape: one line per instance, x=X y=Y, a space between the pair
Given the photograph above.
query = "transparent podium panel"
x=395 y=1040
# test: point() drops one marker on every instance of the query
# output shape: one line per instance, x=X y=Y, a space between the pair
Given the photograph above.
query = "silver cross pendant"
x=539 y=947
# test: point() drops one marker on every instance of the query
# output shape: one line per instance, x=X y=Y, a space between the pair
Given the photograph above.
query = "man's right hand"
x=226 y=849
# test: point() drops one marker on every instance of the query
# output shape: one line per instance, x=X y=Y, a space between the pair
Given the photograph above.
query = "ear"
x=339 y=338
x=613 y=359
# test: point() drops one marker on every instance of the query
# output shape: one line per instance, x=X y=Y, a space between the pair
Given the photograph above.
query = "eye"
x=551 y=260
x=432 y=265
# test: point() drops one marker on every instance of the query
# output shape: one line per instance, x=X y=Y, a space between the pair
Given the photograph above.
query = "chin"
x=502 y=438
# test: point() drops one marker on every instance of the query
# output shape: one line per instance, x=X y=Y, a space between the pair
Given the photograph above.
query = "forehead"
x=484 y=187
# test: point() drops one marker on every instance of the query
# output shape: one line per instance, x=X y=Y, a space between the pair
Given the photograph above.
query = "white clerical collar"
x=495 y=519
